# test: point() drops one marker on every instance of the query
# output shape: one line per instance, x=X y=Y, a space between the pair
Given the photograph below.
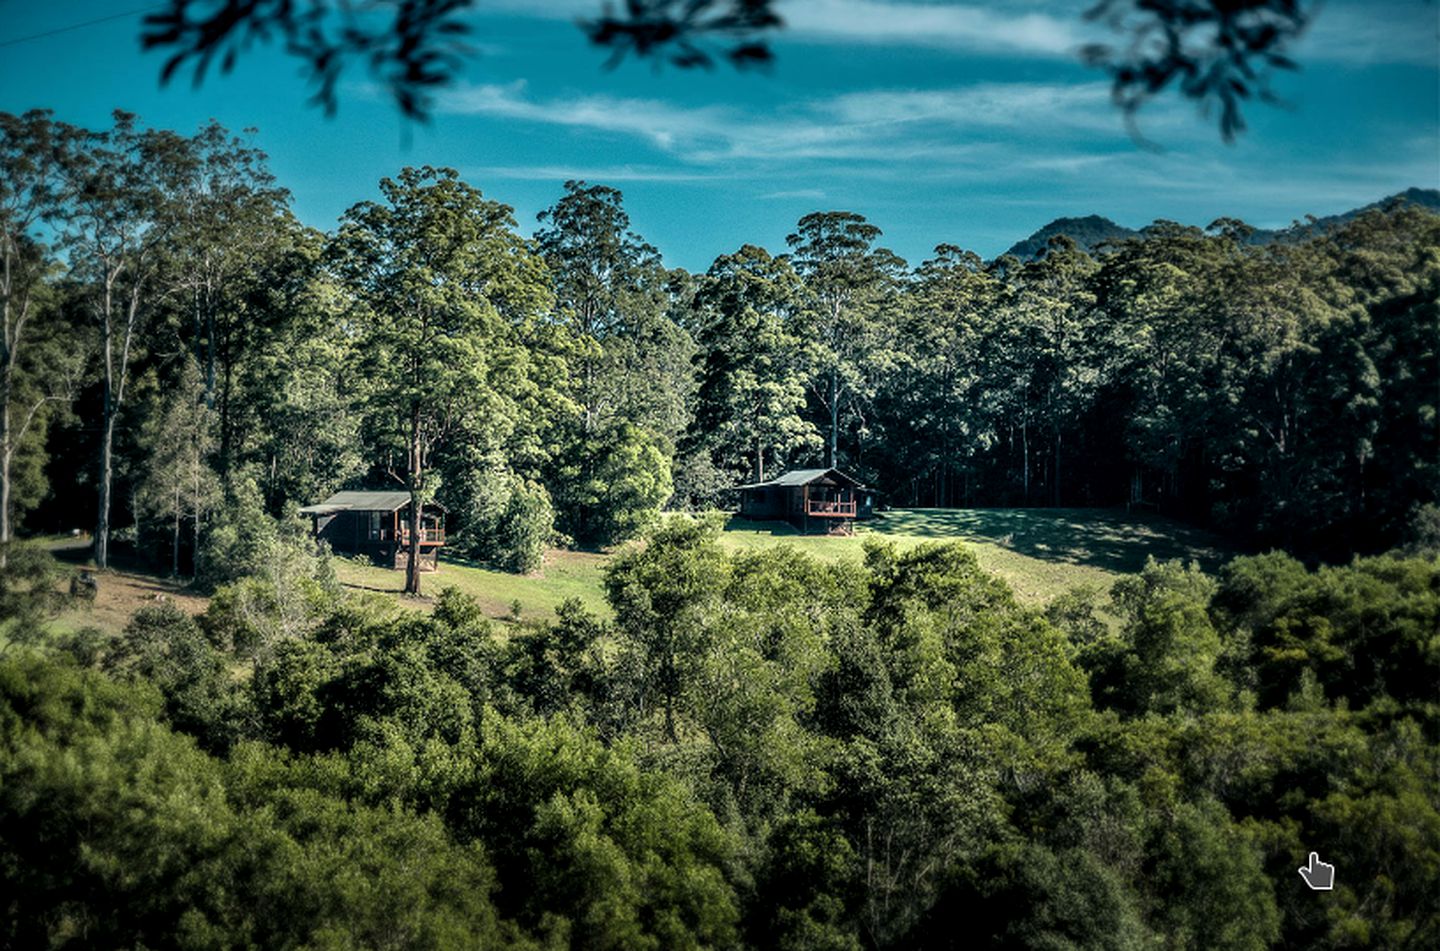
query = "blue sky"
x=967 y=123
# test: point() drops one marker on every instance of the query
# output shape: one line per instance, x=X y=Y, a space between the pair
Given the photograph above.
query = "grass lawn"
x=567 y=574
x=1040 y=552
x=120 y=594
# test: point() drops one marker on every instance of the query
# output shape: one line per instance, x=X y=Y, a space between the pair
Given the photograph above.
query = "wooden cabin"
x=377 y=524
x=813 y=500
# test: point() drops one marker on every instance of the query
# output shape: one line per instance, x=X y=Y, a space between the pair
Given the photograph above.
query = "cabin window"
x=374 y=525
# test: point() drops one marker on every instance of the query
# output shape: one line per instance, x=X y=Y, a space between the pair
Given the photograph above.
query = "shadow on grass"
x=776 y=529
x=1102 y=538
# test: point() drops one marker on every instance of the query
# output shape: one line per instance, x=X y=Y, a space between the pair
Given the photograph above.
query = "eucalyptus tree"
x=437 y=282
x=179 y=483
x=933 y=412
x=1055 y=319
x=613 y=291
x=37 y=367
x=231 y=222
x=630 y=360
x=847 y=280
x=751 y=398
x=124 y=184
x=1161 y=301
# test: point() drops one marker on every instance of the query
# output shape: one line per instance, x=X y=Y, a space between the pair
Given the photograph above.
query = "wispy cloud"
x=1372 y=32
x=812 y=193
x=594 y=173
x=973 y=28
x=663 y=124
x=988 y=105
x=878 y=125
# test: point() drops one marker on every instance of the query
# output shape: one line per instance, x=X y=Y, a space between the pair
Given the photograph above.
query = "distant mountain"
x=1090 y=231
x=1424 y=197
x=1086 y=232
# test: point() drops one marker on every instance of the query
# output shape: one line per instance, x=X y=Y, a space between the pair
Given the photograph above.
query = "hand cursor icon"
x=1318 y=875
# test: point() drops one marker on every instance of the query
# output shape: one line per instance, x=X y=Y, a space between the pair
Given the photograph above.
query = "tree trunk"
x=1057 y=468
x=1025 y=458
x=112 y=396
x=832 y=451
x=102 y=518
x=175 y=541
x=412 y=559
x=6 y=453
x=671 y=689
x=759 y=461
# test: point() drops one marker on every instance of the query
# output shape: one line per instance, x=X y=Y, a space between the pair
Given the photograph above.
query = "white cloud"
x=662 y=123
x=812 y=193
x=991 y=105
x=1373 y=32
x=596 y=173
x=878 y=125
x=966 y=27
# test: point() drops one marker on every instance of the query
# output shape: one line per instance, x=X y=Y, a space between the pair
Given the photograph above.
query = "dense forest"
x=748 y=749
x=178 y=345
x=759 y=750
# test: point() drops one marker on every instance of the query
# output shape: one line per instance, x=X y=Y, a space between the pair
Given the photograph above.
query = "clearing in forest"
x=1041 y=553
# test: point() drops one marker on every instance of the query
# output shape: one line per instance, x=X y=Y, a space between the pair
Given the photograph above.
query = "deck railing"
x=428 y=536
x=825 y=508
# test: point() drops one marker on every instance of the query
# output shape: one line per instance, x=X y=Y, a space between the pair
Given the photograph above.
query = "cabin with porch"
x=377 y=524
x=813 y=500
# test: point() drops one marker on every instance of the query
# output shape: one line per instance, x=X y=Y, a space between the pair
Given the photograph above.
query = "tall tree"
x=438 y=278
x=630 y=361
x=1054 y=305
x=613 y=291
x=124 y=181
x=231 y=223
x=179 y=483
x=847 y=279
x=934 y=416
x=36 y=368
x=751 y=399
x=1161 y=299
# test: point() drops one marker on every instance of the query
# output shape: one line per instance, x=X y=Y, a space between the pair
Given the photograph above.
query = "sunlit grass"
x=566 y=574
x=1040 y=553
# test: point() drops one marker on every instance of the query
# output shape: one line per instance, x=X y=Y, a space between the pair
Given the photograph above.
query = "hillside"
x=1090 y=231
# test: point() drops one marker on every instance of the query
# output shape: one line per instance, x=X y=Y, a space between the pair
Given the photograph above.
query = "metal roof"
x=802 y=477
x=360 y=502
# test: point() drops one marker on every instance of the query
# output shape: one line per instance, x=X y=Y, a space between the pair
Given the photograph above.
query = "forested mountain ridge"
x=1091 y=230
x=1088 y=232
x=194 y=358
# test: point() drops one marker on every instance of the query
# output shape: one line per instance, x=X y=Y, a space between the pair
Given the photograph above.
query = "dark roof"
x=363 y=502
x=803 y=477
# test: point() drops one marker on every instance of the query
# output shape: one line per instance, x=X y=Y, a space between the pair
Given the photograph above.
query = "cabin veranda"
x=377 y=525
x=813 y=500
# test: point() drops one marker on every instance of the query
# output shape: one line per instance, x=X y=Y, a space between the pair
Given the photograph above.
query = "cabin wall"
x=359 y=533
x=762 y=503
x=374 y=534
x=788 y=503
